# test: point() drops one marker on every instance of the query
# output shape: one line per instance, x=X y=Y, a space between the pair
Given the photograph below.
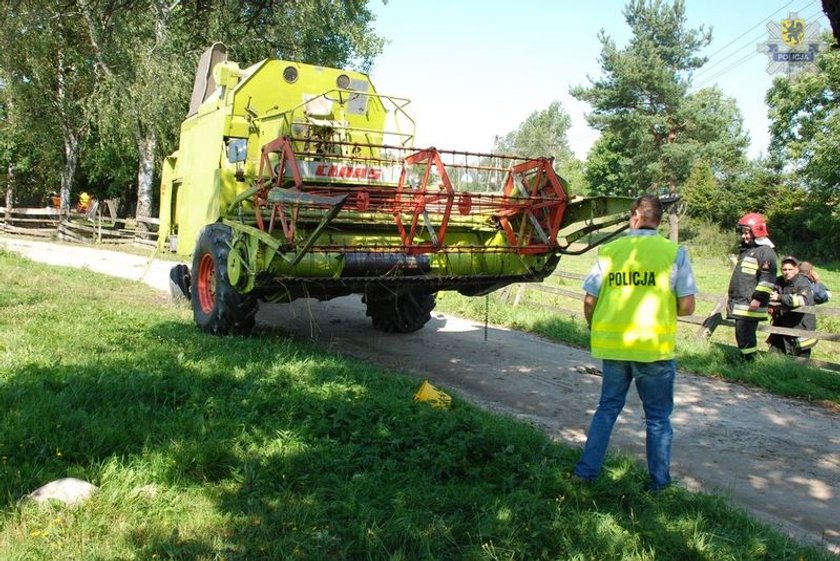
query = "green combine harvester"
x=298 y=181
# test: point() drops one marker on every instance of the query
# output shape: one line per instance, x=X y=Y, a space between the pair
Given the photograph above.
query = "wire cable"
x=711 y=65
x=709 y=79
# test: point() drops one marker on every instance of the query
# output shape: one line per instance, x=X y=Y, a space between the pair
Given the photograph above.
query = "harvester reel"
x=217 y=307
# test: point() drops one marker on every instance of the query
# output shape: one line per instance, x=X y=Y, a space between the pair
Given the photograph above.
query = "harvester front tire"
x=403 y=313
x=217 y=307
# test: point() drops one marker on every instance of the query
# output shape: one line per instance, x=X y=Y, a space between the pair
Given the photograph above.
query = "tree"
x=112 y=78
x=701 y=193
x=805 y=124
x=607 y=170
x=44 y=59
x=641 y=97
x=544 y=135
x=805 y=134
x=145 y=88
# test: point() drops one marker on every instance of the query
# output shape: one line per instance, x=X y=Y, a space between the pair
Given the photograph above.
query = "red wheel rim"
x=206 y=283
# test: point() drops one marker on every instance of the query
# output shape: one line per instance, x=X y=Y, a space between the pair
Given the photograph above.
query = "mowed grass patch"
x=212 y=448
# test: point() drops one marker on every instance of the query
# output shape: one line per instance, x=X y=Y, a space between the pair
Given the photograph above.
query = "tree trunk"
x=68 y=173
x=147 y=139
x=10 y=191
x=673 y=224
x=71 y=140
x=147 y=148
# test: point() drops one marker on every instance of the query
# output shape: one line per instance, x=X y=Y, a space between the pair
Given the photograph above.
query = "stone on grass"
x=68 y=490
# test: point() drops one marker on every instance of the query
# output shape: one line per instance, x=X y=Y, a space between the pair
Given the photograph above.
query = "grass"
x=210 y=448
x=718 y=358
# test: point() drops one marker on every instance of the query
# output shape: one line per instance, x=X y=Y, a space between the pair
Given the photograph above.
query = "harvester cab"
x=297 y=181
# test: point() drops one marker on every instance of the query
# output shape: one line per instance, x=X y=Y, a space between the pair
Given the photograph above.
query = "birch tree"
x=44 y=61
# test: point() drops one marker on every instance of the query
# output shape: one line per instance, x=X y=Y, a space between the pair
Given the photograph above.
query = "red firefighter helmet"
x=756 y=224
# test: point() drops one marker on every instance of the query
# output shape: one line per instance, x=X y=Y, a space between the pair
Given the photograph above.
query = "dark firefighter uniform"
x=754 y=278
x=792 y=295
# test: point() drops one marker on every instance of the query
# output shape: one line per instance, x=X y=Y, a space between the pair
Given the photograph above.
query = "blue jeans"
x=655 y=384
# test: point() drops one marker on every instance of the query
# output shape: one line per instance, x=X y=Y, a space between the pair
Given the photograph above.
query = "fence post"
x=519 y=290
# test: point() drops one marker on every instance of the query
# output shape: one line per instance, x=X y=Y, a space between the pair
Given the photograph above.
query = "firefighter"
x=793 y=290
x=752 y=282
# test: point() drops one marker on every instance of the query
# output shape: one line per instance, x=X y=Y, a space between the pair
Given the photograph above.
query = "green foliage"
x=714 y=132
x=654 y=130
x=805 y=224
x=120 y=92
x=755 y=187
x=701 y=193
x=805 y=124
x=805 y=129
x=544 y=135
x=607 y=169
x=707 y=239
x=44 y=65
x=641 y=97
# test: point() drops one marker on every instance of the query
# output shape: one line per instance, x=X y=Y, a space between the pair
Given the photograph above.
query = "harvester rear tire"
x=403 y=313
x=217 y=307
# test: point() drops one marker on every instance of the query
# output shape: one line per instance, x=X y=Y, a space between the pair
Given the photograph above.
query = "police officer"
x=793 y=290
x=752 y=282
x=638 y=286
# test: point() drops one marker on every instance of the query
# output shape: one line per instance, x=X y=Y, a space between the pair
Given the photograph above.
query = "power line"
x=709 y=66
x=711 y=56
x=709 y=79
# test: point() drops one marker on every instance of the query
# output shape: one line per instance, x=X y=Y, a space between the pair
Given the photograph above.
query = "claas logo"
x=342 y=171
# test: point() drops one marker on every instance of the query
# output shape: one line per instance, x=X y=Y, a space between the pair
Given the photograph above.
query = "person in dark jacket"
x=793 y=290
x=752 y=282
x=821 y=292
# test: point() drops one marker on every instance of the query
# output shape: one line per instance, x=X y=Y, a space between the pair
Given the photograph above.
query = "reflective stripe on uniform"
x=805 y=342
x=743 y=311
x=766 y=287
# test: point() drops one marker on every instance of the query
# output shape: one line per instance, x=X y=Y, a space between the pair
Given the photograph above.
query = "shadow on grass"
x=306 y=455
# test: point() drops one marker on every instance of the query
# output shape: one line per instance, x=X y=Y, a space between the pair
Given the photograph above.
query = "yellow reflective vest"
x=635 y=317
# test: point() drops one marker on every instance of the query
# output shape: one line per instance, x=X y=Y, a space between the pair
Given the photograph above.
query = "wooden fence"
x=99 y=225
x=706 y=325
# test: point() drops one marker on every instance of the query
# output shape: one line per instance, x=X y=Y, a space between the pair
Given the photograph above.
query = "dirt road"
x=778 y=458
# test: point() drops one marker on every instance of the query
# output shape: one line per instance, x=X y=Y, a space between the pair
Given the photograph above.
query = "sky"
x=475 y=69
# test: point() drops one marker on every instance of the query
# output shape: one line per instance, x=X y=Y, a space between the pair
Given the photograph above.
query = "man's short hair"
x=649 y=208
